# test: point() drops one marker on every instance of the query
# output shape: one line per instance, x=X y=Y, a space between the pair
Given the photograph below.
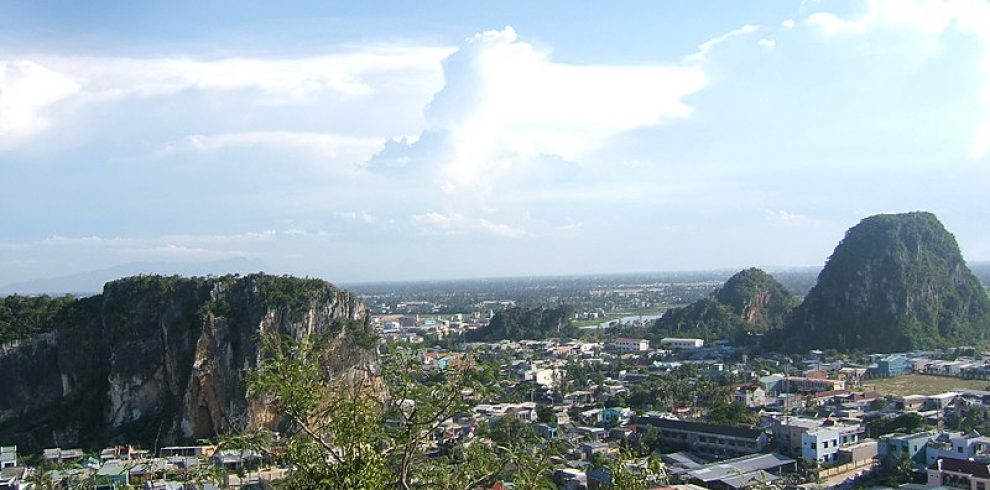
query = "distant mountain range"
x=91 y=282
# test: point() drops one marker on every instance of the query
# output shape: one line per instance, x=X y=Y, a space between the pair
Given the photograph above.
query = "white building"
x=632 y=345
x=543 y=377
x=8 y=457
x=684 y=344
x=822 y=444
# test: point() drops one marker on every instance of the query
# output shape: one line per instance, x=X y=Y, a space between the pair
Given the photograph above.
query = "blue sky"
x=362 y=141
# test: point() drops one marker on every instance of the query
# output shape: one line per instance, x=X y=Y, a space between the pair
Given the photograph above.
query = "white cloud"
x=350 y=73
x=706 y=47
x=787 y=218
x=506 y=103
x=29 y=87
x=357 y=216
x=180 y=252
x=337 y=151
x=458 y=224
x=787 y=24
x=27 y=92
x=767 y=43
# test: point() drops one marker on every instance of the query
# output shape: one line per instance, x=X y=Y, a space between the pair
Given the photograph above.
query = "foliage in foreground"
x=383 y=429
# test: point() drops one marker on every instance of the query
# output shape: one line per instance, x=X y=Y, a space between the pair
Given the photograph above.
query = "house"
x=787 y=433
x=626 y=344
x=892 y=365
x=112 y=475
x=959 y=473
x=956 y=445
x=8 y=457
x=750 y=395
x=682 y=344
x=822 y=444
x=720 y=441
x=61 y=456
x=187 y=451
x=910 y=445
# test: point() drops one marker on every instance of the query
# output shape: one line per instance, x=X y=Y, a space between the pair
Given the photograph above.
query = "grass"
x=922 y=384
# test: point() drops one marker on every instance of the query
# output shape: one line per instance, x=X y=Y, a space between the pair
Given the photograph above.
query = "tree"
x=378 y=427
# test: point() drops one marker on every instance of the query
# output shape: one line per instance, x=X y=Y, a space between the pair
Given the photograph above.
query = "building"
x=13 y=478
x=892 y=365
x=959 y=473
x=720 y=441
x=799 y=384
x=911 y=445
x=956 y=445
x=682 y=344
x=750 y=395
x=741 y=472
x=626 y=344
x=823 y=444
x=787 y=433
x=8 y=457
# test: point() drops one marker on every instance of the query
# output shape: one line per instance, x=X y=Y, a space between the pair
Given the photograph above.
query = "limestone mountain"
x=749 y=301
x=895 y=282
x=159 y=359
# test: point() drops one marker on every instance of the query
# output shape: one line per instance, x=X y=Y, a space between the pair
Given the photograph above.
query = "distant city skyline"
x=391 y=141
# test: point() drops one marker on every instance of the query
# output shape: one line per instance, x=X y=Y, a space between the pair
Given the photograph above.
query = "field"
x=921 y=384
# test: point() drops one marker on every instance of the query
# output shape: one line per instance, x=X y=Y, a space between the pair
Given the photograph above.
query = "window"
x=814 y=446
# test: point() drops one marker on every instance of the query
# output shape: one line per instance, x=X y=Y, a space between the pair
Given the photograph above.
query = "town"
x=711 y=414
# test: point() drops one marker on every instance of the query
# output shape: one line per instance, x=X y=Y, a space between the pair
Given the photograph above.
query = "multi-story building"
x=959 y=473
x=892 y=365
x=956 y=445
x=682 y=344
x=631 y=345
x=910 y=445
x=787 y=433
x=720 y=441
x=8 y=457
x=822 y=444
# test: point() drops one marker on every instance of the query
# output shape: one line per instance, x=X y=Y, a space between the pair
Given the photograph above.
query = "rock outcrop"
x=162 y=359
x=751 y=301
x=896 y=282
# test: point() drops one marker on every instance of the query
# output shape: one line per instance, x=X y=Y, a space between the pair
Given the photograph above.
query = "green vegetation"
x=896 y=282
x=751 y=301
x=522 y=323
x=25 y=316
x=726 y=413
x=757 y=298
x=373 y=431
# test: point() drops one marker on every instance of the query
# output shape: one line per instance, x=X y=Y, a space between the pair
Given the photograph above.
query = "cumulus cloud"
x=350 y=73
x=27 y=92
x=29 y=87
x=506 y=103
x=767 y=43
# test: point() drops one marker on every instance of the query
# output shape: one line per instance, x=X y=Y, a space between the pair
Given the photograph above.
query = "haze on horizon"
x=395 y=141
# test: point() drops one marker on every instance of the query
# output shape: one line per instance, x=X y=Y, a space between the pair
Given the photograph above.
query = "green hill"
x=751 y=301
x=896 y=282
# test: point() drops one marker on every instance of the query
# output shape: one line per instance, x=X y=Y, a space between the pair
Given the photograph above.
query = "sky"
x=375 y=141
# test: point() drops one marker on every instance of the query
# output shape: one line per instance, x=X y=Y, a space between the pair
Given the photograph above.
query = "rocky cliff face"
x=896 y=282
x=163 y=358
